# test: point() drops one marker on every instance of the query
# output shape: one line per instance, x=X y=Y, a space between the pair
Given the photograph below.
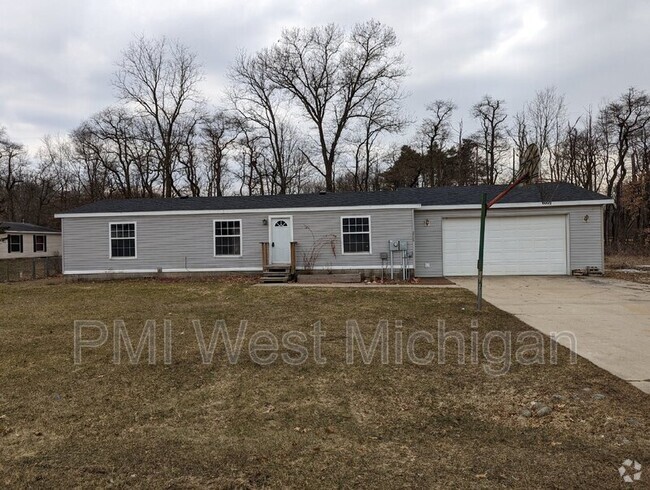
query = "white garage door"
x=513 y=246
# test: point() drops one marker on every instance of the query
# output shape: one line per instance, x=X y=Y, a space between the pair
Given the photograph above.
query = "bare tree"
x=219 y=134
x=332 y=74
x=120 y=142
x=12 y=172
x=625 y=118
x=623 y=121
x=382 y=115
x=251 y=173
x=519 y=133
x=89 y=163
x=258 y=101
x=189 y=158
x=546 y=116
x=160 y=79
x=436 y=128
x=491 y=116
x=43 y=186
x=434 y=131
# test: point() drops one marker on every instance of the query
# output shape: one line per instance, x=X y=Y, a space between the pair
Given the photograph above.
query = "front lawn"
x=331 y=424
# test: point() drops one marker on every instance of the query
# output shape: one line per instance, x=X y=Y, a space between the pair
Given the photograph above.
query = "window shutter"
x=34 y=242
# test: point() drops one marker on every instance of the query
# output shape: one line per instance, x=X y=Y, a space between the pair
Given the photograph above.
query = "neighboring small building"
x=24 y=240
x=431 y=231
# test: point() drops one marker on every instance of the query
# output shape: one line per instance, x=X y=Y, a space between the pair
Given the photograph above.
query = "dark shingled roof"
x=437 y=196
x=9 y=226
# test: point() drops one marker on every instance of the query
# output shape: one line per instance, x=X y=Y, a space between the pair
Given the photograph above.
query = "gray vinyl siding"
x=585 y=242
x=586 y=238
x=186 y=242
x=428 y=244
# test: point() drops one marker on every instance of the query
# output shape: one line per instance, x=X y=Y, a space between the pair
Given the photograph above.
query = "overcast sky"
x=57 y=57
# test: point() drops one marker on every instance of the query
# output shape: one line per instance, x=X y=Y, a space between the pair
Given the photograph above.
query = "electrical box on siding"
x=397 y=245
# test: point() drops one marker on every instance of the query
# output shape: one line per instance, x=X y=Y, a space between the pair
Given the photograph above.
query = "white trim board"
x=517 y=205
x=235 y=211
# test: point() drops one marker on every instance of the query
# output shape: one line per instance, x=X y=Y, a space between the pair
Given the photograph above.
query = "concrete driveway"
x=610 y=318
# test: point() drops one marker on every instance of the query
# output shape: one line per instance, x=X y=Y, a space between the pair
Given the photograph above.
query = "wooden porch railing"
x=266 y=256
x=293 y=258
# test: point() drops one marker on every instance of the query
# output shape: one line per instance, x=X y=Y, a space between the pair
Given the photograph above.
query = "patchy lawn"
x=333 y=425
x=635 y=268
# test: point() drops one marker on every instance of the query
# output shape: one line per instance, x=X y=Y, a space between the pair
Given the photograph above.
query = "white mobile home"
x=25 y=240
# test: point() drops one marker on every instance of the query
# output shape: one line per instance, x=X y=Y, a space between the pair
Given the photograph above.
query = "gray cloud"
x=56 y=58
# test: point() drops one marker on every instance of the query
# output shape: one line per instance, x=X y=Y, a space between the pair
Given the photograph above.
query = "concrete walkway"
x=610 y=318
x=359 y=285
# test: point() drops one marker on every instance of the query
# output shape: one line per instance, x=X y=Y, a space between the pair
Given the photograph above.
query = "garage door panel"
x=513 y=245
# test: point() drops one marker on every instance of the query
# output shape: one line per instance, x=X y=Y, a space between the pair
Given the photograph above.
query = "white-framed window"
x=15 y=244
x=355 y=234
x=227 y=238
x=122 y=241
x=40 y=243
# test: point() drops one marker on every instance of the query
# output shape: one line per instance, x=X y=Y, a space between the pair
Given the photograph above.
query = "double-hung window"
x=227 y=237
x=15 y=244
x=40 y=243
x=355 y=234
x=122 y=238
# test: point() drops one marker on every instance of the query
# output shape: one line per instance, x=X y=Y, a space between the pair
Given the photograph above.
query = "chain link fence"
x=13 y=270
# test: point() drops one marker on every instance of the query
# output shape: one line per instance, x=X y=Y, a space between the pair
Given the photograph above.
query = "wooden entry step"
x=277 y=273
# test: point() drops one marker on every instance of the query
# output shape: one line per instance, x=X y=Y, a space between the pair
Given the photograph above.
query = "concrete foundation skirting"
x=329 y=278
x=155 y=275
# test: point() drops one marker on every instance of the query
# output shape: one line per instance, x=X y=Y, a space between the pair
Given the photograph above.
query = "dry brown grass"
x=248 y=426
x=615 y=262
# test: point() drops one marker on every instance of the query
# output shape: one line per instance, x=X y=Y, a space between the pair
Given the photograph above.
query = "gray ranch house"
x=429 y=232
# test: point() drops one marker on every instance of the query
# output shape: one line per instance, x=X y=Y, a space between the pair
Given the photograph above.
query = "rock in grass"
x=537 y=405
x=598 y=396
x=544 y=411
x=526 y=413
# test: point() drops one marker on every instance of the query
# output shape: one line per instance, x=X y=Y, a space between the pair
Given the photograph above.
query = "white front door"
x=281 y=236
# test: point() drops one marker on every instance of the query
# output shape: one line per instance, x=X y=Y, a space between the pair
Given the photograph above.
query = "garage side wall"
x=585 y=236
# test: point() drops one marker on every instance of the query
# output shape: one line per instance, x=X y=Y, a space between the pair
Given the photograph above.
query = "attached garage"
x=522 y=245
x=523 y=235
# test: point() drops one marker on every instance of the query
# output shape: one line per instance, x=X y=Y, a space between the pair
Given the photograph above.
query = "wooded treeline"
x=320 y=109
